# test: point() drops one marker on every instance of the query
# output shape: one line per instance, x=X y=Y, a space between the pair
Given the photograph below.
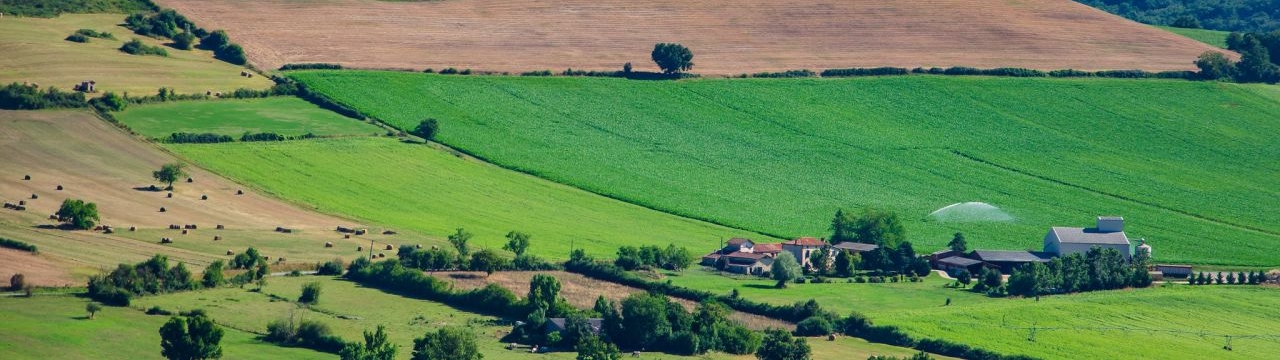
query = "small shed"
x=1178 y=271
x=1009 y=260
x=953 y=265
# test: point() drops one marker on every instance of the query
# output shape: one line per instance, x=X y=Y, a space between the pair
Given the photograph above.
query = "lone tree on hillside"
x=672 y=58
x=487 y=261
x=459 y=240
x=450 y=342
x=517 y=242
x=375 y=347
x=958 y=243
x=92 y=308
x=427 y=129
x=779 y=345
x=195 y=338
x=170 y=173
x=785 y=269
x=78 y=214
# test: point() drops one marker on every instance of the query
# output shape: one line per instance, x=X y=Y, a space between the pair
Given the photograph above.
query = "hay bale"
x=217 y=237
x=168 y=196
x=59 y=187
x=239 y=192
x=279 y=229
x=388 y=232
x=166 y=240
x=359 y=248
x=229 y=252
x=20 y=208
x=109 y=231
x=220 y=227
x=162 y=209
x=184 y=231
x=204 y=197
x=174 y=227
x=34 y=196
x=133 y=228
x=361 y=231
x=328 y=244
x=419 y=246
x=382 y=255
x=389 y=247
x=347 y=236
x=22 y=202
x=288 y=231
x=53 y=217
x=280 y=260
x=190 y=181
x=26 y=177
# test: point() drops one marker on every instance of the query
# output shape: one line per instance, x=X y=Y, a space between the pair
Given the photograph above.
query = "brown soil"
x=37 y=270
x=98 y=163
x=581 y=291
x=727 y=37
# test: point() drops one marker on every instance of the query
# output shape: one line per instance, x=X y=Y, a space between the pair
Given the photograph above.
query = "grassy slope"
x=980 y=321
x=288 y=116
x=1182 y=161
x=431 y=191
x=1211 y=37
x=406 y=318
x=34 y=50
x=45 y=326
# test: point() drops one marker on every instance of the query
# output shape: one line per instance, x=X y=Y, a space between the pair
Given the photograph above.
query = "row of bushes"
x=167 y=23
x=441 y=259
x=311 y=66
x=194 y=138
x=784 y=74
x=1009 y=72
x=309 y=334
x=136 y=47
x=321 y=100
x=880 y=71
x=54 y=8
x=18 y=245
x=17 y=96
x=391 y=275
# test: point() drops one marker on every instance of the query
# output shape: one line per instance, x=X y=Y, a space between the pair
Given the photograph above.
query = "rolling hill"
x=1183 y=161
x=727 y=37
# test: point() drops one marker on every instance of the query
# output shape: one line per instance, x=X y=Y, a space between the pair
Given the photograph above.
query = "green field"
x=432 y=191
x=287 y=116
x=34 y=51
x=46 y=327
x=1070 y=326
x=405 y=318
x=1211 y=37
x=1184 y=162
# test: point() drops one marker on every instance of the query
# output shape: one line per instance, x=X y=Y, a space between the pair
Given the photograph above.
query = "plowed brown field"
x=727 y=37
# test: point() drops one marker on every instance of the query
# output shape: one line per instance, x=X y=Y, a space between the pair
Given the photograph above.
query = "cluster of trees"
x=1229 y=15
x=192 y=338
x=167 y=23
x=78 y=214
x=392 y=275
x=1098 y=269
x=461 y=257
x=53 y=8
x=1258 y=55
x=153 y=276
x=17 y=96
x=1238 y=278
x=18 y=245
x=894 y=254
x=193 y=138
x=136 y=47
x=652 y=256
x=310 y=334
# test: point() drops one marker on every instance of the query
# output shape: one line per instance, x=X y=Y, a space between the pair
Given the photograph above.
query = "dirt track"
x=727 y=37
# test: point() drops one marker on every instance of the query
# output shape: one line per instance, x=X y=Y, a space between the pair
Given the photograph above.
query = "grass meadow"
x=1212 y=37
x=56 y=326
x=1153 y=323
x=287 y=116
x=1184 y=162
x=431 y=191
x=34 y=51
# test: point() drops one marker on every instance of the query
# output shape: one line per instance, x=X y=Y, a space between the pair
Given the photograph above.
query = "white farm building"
x=1109 y=233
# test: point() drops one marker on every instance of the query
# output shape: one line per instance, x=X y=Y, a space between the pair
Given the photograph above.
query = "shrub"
x=156 y=310
x=536 y=73
x=153 y=276
x=672 y=58
x=786 y=74
x=311 y=66
x=231 y=53
x=331 y=267
x=27 y=97
x=77 y=38
x=17 y=282
x=136 y=47
x=880 y=71
x=184 y=41
x=814 y=326
x=310 y=293
x=192 y=138
x=18 y=245
x=262 y=137
x=1070 y=73
x=95 y=34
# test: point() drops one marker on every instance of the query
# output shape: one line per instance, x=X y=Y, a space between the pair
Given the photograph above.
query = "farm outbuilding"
x=1009 y=260
x=1108 y=233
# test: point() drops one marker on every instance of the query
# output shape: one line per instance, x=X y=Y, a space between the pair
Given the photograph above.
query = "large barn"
x=1108 y=233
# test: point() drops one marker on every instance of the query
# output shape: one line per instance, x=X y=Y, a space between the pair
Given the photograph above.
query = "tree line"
x=1228 y=15
x=155 y=276
x=167 y=23
x=1097 y=269
x=1258 y=55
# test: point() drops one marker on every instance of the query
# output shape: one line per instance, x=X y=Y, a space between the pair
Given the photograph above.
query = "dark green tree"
x=215 y=40
x=213 y=276
x=427 y=129
x=820 y=261
x=846 y=264
x=375 y=347
x=879 y=227
x=92 y=308
x=1214 y=65
x=184 y=41
x=644 y=320
x=450 y=342
x=231 y=53
x=488 y=261
x=780 y=345
x=958 y=243
x=992 y=279
x=78 y=214
x=842 y=227
x=517 y=242
x=964 y=277
x=310 y=293
x=170 y=173
x=459 y=240
x=544 y=292
x=672 y=58
x=194 y=338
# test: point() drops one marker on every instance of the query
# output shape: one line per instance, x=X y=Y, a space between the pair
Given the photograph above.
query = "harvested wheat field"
x=37 y=270
x=727 y=37
x=581 y=291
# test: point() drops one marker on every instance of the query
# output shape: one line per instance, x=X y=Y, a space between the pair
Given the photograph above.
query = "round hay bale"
x=346 y=236
x=217 y=237
x=239 y=192
x=220 y=227
x=204 y=197
x=190 y=181
x=382 y=255
x=26 y=177
x=162 y=209
x=184 y=231
x=229 y=252
x=389 y=247
x=280 y=260
x=328 y=244
x=359 y=248
x=133 y=228
x=34 y=196
x=165 y=240
x=22 y=202
x=419 y=246
x=168 y=196
x=59 y=187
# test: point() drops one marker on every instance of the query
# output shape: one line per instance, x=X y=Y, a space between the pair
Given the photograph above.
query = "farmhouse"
x=771 y=250
x=1108 y=233
x=747 y=263
x=802 y=247
x=739 y=245
x=558 y=324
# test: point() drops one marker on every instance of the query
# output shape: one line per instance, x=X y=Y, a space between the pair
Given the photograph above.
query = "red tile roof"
x=768 y=248
x=806 y=241
x=738 y=241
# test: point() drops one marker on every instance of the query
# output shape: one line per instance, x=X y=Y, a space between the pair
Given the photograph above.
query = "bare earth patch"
x=581 y=291
x=37 y=270
x=727 y=37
